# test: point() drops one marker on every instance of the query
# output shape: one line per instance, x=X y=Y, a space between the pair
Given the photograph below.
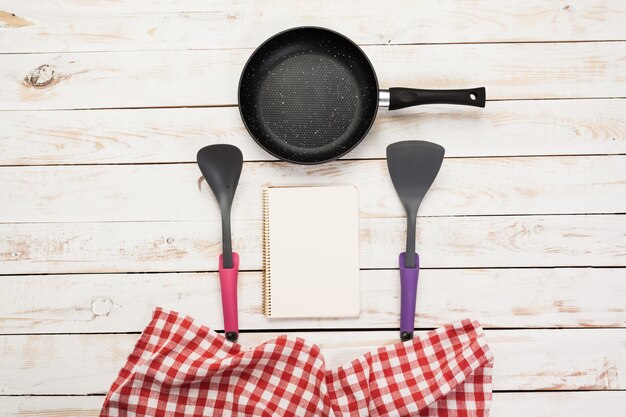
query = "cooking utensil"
x=413 y=166
x=221 y=167
x=309 y=95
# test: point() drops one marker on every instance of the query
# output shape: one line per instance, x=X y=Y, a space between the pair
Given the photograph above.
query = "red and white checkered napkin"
x=179 y=368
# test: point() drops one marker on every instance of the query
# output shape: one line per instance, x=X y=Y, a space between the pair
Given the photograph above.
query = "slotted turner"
x=413 y=166
x=221 y=167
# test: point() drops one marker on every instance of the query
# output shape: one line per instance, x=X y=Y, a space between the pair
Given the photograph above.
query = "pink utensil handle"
x=408 y=295
x=228 y=284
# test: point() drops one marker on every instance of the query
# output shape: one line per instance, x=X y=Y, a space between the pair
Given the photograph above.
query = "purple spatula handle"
x=408 y=294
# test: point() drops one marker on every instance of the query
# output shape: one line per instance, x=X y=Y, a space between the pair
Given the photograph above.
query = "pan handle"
x=399 y=98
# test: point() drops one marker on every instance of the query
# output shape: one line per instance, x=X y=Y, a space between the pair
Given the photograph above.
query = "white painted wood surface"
x=141 y=25
x=505 y=128
x=179 y=78
x=510 y=404
x=525 y=359
x=538 y=297
x=523 y=230
x=468 y=186
x=83 y=80
x=443 y=242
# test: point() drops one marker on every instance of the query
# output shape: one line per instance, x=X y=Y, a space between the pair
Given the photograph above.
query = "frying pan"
x=309 y=95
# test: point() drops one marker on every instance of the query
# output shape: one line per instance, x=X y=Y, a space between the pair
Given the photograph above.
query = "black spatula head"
x=413 y=166
x=221 y=167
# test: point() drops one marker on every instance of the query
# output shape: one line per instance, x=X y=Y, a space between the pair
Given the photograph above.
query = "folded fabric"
x=179 y=368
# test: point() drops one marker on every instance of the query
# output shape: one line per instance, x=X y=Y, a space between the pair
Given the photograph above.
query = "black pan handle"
x=400 y=98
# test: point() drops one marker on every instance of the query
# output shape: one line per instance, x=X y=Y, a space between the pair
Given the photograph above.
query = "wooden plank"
x=484 y=186
x=547 y=127
x=504 y=404
x=459 y=242
x=64 y=406
x=210 y=77
x=557 y=404
x=44 y=27
x=585 y=10
x=499 y=298
x=525 y=359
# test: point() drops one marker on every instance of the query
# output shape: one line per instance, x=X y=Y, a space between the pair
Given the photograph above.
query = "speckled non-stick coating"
x=308 y=95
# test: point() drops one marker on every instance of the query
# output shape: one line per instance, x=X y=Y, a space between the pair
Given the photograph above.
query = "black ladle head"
x=413 y=166
x=221 y=167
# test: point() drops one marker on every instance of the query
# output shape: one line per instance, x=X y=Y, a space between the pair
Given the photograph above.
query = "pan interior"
x=308 y=95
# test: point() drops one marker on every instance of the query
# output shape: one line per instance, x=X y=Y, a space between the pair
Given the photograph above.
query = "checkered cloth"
x=180 y=368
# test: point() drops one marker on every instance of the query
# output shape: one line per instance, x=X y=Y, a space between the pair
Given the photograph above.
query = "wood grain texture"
x=525 y=359
x=459 y=242
x=144 y=81
x=210 y=78
x=484 y=186
x=504 y=404
x=417 y=6
x=549 y=127
x=141 y=25
x=524 y=298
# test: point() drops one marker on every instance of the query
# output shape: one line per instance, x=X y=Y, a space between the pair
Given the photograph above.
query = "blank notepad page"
x=311 y=251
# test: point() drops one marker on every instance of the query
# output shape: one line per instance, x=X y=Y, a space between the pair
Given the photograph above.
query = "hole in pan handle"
x=399 y=98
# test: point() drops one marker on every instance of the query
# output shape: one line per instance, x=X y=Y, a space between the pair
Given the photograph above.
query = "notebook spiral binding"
x=267 y=279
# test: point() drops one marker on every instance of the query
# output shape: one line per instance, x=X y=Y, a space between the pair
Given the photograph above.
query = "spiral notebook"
x=311 y=252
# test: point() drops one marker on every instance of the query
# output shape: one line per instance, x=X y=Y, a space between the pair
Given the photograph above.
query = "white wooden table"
x=104 y=216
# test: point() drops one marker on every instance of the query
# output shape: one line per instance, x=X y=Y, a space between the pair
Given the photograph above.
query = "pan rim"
x=297 y=28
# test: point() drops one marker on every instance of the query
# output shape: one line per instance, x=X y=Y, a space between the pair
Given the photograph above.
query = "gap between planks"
x=362 y=45
x=504 y=404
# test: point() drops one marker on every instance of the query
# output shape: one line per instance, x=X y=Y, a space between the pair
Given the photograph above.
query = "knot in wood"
x=42 y=75
x=101 y=306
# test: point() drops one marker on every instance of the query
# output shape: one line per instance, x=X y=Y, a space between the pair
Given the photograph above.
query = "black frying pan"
x=309 y=95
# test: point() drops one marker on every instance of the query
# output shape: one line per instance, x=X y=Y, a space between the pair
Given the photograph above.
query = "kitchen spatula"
x=221 y=167
x=413 y=166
